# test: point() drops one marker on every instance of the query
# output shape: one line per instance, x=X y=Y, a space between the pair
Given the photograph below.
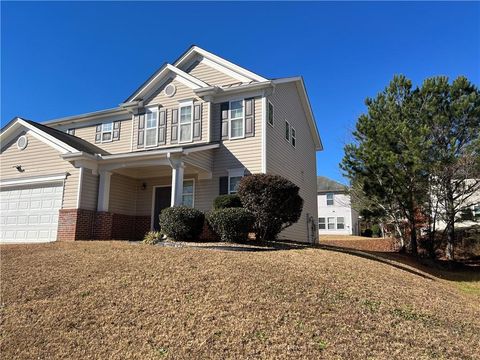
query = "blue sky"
x=61 y=59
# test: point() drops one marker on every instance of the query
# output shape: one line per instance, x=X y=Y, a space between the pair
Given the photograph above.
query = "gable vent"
x=170 y=90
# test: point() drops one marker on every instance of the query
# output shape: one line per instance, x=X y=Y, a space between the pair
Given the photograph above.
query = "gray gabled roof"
x=325 y=184
x=73 y=141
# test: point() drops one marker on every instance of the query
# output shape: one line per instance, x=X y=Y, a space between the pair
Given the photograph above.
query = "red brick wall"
x=80 y=224
x=75 y=224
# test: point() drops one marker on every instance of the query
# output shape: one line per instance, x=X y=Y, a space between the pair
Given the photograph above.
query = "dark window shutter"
x=141 y=130
x=98 y=134
x=162 y=126
x=223 y=185
x=249 y=117
x=174 y=129
x=224 y=107
x=116 y=131
x=197 y=122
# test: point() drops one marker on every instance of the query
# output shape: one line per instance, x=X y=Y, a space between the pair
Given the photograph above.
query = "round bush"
x=273 y=200
x=231 y=224
x=227 y=201
x=182 y=223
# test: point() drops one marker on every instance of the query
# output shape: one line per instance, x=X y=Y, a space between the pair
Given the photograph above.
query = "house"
x=189 y=133
x=335 y=213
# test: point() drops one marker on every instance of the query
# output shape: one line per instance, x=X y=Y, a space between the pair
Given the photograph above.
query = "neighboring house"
x=186 y=135
x=335 y=213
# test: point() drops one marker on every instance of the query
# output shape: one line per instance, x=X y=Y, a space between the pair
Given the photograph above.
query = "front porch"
x=133 y=189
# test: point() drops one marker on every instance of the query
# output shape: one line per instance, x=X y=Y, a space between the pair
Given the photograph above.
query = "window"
x=234 y=177
x=71 y=131
x=294 y=137
x=107 y=131
x=321 y=223
x=287 y=131
x=187 y=195
x=270 y=113
x=151 y=127
x=186 y=120
x=340 y=223
x=331 y=223
x=330 y=199
x=476 y=210
x=237 y=122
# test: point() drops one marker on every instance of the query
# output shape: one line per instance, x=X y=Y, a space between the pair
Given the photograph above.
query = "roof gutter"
x=218 y=90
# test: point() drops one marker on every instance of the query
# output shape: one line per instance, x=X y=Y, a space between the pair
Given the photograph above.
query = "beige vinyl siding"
x=114 y=147
x=210 y=75
x=39 y=159
x=231 y=154
x=182 y=93
x=123 y=191
x=201 y=159
x=239 y=152
x=297 y=164
x=89 y=192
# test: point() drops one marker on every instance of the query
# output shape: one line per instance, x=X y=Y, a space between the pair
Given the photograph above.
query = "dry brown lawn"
x=115 y=300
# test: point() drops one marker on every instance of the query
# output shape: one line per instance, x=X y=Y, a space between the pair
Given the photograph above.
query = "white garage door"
x=29 y=213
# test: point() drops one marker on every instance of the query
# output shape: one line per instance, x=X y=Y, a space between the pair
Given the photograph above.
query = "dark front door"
x=162 y=200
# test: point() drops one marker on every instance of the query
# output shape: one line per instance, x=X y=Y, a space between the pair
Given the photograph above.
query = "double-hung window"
x=188 y=191
x=321 y=223
x=236 y=119
x=331 y=223
x=107 y=131
x=151 y=127
x=287 y=131
x=270 y=113
x=186 y=122
x=294 y=137
x=340 y=223
x=234 y=177
x=330 y=199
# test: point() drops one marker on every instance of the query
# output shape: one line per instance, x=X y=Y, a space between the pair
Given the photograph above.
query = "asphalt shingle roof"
x=325 y=184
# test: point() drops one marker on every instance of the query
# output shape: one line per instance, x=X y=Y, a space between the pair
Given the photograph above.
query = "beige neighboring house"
x=187 y=134
x=335 y=213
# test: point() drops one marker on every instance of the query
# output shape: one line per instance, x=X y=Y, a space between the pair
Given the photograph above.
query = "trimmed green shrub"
x=227 y=201
x=152 y=237
x=231 y=224
x=273 y=201
x=181 y=223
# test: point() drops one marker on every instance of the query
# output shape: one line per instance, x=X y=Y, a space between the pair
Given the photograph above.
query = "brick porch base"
x=80 y=224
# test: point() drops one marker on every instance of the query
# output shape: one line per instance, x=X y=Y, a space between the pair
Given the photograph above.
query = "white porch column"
x=177 y=179
x=104 y=190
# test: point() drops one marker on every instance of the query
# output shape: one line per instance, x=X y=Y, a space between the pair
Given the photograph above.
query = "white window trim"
x=292 y=130
x=334 y=222
x=183 y=104
x=238 y=172
x=289 y=132
x=324 y=222
x=193 y=193
x=268 y=114
x=230 y=137
x=106 y=132
x=333 y=199
x=153 y=110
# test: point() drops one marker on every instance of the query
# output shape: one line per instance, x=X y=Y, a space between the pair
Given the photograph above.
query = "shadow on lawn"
x=428 y=269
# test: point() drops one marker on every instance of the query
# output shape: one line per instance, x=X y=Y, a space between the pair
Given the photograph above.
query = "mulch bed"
x=113 y=300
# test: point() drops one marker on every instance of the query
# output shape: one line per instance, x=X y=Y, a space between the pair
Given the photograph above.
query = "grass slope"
x=119 y=301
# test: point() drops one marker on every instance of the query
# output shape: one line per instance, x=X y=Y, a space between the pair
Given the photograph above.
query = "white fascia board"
x=183 y=77
x=217 y=59
x=79 y=155
x=87 y=116
x=38 y=134
x=298 y=80
x=34 y=180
